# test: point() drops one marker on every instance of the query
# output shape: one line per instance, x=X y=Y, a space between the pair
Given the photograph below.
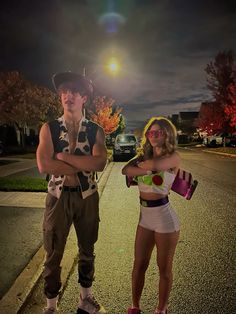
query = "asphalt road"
x=217 y=170
x=21 y=236
x=204 y=268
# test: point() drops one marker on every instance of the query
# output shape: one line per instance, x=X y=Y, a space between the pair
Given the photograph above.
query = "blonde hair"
x=169 y=146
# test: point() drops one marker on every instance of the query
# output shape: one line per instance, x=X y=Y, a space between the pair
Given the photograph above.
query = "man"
x=71 y=149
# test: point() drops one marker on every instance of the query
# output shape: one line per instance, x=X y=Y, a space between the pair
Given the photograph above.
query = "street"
x=21 y=237
x=204 y=269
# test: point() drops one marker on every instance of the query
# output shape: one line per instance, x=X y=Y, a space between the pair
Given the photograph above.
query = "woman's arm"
x=131 y=169
x=161 y=163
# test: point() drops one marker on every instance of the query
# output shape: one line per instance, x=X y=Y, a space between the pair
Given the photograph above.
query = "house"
x=187 y=122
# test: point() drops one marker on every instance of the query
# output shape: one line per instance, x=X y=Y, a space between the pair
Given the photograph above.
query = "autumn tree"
x=230 y=108
x=103 y=113
x=216 y=116
x=25 y=104
x=220 y=75
x=121 y=126
x=211 y=118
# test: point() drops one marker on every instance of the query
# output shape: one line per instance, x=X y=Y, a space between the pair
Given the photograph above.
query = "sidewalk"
x=18 y=294
x=18 y=166
x=19 y=199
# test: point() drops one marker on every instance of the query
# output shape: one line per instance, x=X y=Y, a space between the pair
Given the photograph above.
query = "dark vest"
x=83 y=147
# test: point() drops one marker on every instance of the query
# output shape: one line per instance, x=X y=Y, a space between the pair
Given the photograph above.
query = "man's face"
x=70 y=96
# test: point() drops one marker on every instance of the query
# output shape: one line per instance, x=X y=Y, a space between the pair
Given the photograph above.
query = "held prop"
x=183 y=184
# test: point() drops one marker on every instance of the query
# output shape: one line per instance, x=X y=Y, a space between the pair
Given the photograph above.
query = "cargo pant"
x=58 y=218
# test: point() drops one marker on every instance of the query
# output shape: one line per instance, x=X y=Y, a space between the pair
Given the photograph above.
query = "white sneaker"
x=90 y=305
x=50 y=310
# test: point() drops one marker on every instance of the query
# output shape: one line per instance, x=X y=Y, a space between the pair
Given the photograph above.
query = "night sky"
x=163 y=47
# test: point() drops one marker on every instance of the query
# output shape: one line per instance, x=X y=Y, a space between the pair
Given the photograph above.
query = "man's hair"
x=81 y=83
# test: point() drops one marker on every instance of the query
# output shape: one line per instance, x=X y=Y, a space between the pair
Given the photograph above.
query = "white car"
x=125 y=145
x=213 y=140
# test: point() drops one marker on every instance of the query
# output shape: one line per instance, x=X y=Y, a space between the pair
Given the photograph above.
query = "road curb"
x=209 y=151
x=219 y=153
x=16 y=297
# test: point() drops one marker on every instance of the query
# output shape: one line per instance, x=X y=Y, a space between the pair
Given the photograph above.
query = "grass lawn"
x=28 y=184
x=109 y=153
x=23 y=184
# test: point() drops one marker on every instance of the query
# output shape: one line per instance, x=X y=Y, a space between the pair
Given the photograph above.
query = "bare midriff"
x=151 y=196
x=71 y=180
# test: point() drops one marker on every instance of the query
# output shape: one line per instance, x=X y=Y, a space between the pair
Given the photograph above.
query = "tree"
x=24 y=104
x=230 y=108
x=121 y=126
x=211 y=118
x=217 y=115
x=221 y=74
x=104 y=114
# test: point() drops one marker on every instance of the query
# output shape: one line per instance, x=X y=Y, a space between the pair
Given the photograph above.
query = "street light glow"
x=113 y=65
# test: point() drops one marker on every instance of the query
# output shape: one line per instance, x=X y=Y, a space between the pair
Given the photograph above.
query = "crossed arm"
x=94 y=162
x=155 y=164
x=65 y=163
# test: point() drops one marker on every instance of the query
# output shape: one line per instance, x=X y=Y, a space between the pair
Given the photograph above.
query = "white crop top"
x=159 y=182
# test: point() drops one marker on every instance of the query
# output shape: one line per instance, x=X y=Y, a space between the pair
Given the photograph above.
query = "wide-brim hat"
x=64 y=77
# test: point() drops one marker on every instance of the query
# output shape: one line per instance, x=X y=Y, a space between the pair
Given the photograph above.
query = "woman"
x=154 y=169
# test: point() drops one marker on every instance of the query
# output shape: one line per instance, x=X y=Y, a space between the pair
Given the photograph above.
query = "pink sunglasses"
x=155 y=133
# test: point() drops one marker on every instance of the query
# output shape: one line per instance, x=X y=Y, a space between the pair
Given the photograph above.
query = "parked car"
x=213 y=140
x=125 y=145
x=232 y=142
x=2 y=148
x=183 y=139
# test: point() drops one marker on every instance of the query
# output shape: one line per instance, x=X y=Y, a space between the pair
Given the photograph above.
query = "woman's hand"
x=134 y=168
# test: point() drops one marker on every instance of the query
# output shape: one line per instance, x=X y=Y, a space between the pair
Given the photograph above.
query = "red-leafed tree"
x=211 y=118
x=24 y=104
x=105 y=114
x=230 y=108
x=217 y=115
x=220 y=75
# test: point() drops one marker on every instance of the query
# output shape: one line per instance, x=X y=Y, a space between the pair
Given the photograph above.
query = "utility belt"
x=154 y=203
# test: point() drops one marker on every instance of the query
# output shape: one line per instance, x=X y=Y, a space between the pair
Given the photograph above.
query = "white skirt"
x=162 y=219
